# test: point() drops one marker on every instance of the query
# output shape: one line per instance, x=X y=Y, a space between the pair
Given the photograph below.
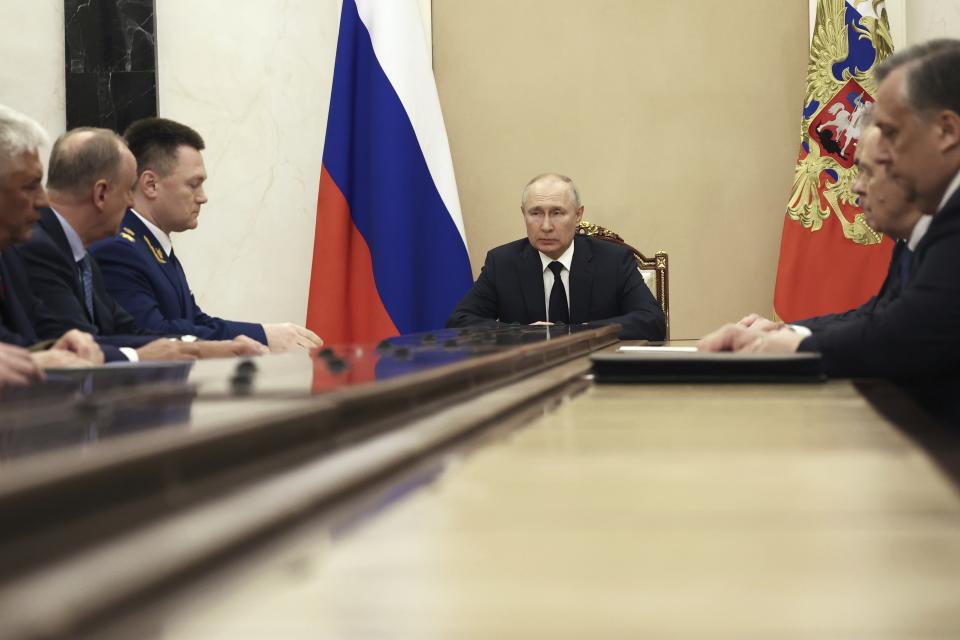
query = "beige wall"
x=678 y=120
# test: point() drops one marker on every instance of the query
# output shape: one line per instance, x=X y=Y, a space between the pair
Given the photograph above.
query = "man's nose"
x=547 y=223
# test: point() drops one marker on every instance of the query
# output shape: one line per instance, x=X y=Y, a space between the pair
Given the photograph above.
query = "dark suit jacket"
x=889 y=291
x=153 y=288
x=20 y=311
x=917 y=335
x=605 y=288
x=55 y=279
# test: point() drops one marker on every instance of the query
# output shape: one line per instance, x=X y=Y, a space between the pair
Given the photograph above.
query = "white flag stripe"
x=399 y=42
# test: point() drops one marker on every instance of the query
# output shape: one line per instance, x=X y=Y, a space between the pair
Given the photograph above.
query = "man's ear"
x=948 y=130
x=580 y=213
x=100 y=189
x=147 y=183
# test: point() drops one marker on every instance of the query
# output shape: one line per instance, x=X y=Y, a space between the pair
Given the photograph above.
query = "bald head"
x=92 y=175
x=81 y=157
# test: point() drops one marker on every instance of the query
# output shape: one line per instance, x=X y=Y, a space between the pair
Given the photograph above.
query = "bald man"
x=91 y=177
x=555 y=276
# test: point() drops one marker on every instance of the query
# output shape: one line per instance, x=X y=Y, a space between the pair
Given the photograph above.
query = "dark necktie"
x=906 y=257
x=559 y=313
x=86 y=283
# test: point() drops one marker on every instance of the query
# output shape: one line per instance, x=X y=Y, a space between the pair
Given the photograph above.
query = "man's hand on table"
x=736 y=337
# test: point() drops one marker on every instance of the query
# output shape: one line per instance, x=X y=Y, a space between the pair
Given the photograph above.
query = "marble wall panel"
x=111 y=64
x=255 y=83
x=254 y=78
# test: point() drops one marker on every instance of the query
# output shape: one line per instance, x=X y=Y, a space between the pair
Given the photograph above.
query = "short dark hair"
x=932 y=74
x=154 y=143
x=74 y=168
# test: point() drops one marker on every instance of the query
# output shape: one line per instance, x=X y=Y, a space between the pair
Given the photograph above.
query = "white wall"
x=31 y=61
x=254 y=79
x=914 y=21
x=928 y=19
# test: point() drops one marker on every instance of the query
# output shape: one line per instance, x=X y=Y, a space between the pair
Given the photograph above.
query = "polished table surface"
x=682 y=511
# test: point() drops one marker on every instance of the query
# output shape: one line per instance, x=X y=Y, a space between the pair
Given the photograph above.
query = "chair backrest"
x=654 y=270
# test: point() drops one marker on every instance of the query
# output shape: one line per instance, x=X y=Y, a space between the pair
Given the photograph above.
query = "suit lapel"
x=52 y=227
x=14 y=311
x=154 y=250
x=581 y=280
x=184 y=286
x=531 y=283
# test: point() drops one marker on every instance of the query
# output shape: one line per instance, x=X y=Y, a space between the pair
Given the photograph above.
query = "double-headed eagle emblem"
x=850 y=38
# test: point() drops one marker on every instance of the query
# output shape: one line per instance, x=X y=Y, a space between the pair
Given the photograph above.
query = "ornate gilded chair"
x=654 y=270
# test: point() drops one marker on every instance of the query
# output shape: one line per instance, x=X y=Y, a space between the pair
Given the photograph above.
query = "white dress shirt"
x=565 y=259
x=165 y=243
x=951 y=189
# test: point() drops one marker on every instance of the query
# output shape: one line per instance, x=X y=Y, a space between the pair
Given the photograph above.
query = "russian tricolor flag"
x=390 y=254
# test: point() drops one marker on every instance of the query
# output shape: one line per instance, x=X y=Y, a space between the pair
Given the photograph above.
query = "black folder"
x=696 y=366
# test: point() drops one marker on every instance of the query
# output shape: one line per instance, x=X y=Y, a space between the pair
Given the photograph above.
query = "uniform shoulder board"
x=127 y=235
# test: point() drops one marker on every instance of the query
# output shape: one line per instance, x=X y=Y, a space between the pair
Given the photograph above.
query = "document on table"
x=657 y=349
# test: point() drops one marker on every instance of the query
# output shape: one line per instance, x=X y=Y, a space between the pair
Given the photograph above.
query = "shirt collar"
x=918 y=232
x=73 y=238
x=566 y=258
x=165 y=243
x=952 y=189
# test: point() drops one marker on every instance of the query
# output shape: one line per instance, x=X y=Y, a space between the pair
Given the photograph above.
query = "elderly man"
x=91 y=176
x=558 y=277
x=918 y=334
x=21 y=195
x=890 y=207
x=140 y=268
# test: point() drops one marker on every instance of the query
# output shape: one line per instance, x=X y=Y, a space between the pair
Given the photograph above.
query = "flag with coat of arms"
x=831 y=260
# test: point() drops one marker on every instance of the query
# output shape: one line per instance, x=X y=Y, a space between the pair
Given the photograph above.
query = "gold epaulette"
x=127 y=234
x=157 y=253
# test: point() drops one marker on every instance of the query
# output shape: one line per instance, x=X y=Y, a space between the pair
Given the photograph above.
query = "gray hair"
x=932 y=78
x=75 y=165
x=19 y=134
x=551 y=176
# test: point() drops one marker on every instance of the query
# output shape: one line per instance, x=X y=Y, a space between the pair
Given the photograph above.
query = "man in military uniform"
x=92 y=174
x=140 y=268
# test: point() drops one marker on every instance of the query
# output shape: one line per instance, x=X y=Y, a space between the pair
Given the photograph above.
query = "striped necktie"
x=86 y=283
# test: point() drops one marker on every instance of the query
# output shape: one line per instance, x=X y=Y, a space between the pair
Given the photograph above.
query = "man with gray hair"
x=92 y=174
x=916 y=336
x=21 y=195
x=556 y=276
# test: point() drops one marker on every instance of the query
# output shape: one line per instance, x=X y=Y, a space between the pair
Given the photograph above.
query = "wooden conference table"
x=564 y=509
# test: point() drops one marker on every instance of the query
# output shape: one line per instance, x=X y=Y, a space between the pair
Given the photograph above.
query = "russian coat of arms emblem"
x=848 y=41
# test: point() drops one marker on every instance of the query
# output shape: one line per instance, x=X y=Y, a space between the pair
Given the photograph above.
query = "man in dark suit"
x=555 y=276
x=917 y=335
x=91 y=176
x=890 y=207
x=21 y=314
x=141 y=270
